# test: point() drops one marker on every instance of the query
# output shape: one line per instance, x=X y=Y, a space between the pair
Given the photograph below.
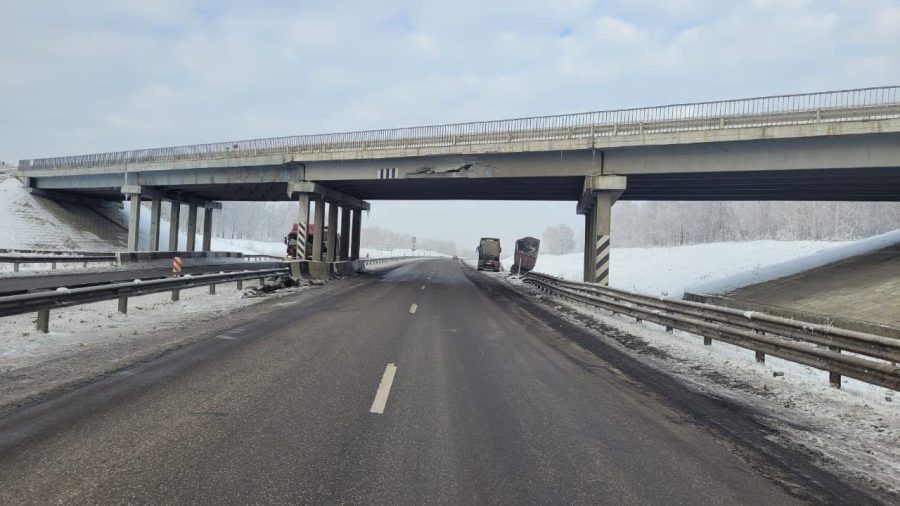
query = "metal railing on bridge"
x=833 y=106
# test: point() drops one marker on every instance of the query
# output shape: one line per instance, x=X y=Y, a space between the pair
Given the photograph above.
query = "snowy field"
x=707 y=268
x=101 y=324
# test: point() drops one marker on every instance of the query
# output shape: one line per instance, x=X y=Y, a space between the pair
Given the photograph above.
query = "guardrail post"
x=212 y=289
x=123 y=304
x=760 y=357
x=15 y=266
x=833 y=377
x=43 y=320
x=176 y=295
x=262 y=281
x=240 y=284
x=53 y=265
x=707 y=341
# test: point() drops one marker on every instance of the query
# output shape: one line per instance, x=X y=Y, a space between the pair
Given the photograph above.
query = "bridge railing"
x=832 y=106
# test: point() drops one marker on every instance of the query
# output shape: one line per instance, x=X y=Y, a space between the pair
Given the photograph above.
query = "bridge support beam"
x=134 y=221
x=600 y=193
x=155 y=222
x=345 y=234
x=192 y=228
x=357 y=224
x=318 y=240
x=331 y=247
x=207 y=229
x=174 y=218
x=303 y=225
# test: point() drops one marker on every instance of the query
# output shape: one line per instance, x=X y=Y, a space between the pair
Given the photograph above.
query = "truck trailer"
x=526 y=255
x=489 y=254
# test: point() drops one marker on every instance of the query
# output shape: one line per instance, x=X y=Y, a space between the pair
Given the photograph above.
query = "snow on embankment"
x=837 y=252
x=670 y=271
x=31 y=222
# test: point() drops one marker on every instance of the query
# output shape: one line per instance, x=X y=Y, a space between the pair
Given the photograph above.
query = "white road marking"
x=227 y=337
x=412 y=309
x=423 y=287
x=384 y=389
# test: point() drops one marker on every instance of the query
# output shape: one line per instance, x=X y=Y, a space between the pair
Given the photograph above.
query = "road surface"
x=430 y=383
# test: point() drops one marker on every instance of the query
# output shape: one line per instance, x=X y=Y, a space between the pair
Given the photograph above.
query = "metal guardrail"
x=18 y=260
x=833 y=106
x=43 y=302
x=811 y=344
x=15 y=251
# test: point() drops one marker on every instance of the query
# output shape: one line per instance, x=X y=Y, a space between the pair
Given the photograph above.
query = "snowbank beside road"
x=670 y=271
x=819 y=258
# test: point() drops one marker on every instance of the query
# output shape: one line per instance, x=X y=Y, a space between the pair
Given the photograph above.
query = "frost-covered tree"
x=558 y=240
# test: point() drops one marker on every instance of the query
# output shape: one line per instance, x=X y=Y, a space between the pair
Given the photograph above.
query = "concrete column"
x=586 y=265
x=174 y=216
x=303 y=222
x=134 y=222
x=192 y=228
x=318 y=239
x=357 y=223
x=599 y=247
x=155 y=221
x=331 y=247
x=207 y=229
x=345 y=233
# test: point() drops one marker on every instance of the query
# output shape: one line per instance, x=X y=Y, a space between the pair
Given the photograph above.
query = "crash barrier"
x=869 y=358
x=43 y=302
x=188 y=258
x=259 y=258
x=868 y=327
x=18 y=259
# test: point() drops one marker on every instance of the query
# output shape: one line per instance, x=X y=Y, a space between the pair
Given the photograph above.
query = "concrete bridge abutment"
x=600 y=193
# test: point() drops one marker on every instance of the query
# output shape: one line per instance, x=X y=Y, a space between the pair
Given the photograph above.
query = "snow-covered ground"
x=856 y=428
x=670 y=271
x=100 y=323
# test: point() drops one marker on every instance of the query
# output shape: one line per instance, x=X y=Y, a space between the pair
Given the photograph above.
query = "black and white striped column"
x=303 y=226
x=598 y=249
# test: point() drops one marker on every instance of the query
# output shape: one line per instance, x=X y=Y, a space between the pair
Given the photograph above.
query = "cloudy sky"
x=89 y=76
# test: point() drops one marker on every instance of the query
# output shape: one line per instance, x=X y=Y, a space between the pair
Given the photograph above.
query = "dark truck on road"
x=489 y=254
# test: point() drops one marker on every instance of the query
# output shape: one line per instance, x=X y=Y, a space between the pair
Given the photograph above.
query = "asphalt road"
x=492 y=401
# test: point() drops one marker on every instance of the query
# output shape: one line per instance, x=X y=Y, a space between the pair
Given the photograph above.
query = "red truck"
x=526 y=255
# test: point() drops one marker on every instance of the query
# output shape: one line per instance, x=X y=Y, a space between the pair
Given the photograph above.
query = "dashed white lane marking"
x=384 y=389
x=423 y=287
x=227 y=337
x=412 y=309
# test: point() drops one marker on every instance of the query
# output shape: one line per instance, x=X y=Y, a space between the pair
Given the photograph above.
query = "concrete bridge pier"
x=318 y=240
x=331 y=248
x=134 y=221
x=207 y=229
x=155 y=222
x=345 y=234
x=303 y=225
x=174 y=218
x=600 y=193
x=357 y=223
x=306 y=192
x=192 y=228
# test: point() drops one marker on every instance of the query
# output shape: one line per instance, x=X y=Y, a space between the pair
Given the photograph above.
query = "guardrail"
x=811 y=344
x=18 y=260
x=833 y=106
x=43 y=302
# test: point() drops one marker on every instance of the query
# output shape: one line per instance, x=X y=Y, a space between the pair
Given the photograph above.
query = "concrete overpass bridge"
x=840 y=145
